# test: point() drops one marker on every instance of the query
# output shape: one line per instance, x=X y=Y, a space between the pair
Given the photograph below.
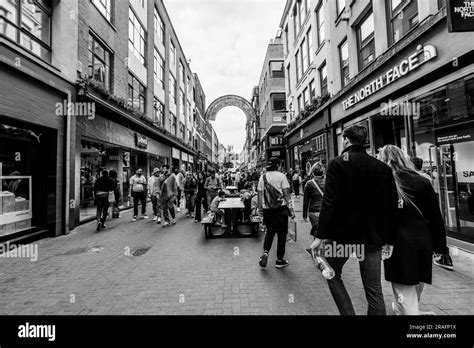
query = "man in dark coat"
x=358 y=209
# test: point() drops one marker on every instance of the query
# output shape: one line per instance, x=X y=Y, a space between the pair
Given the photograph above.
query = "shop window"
x=29 y=24
x=136 y=93
x=366 y=40
x=404 y=16
x=136 y=37
x=99 y=62
x=276 y=69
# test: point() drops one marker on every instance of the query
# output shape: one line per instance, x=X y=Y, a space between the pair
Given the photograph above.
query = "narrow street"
x=183 y=273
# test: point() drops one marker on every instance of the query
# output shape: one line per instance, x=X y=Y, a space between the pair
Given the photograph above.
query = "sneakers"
x=158 y=220
x=155 y=218
x=281 y=263
x=263 y=260
x=445 y=262
x=98 y=226
x=166 y=224
x=104 y=225
x=178 y=210
x=173 y=222
x=145 y=216
x=134 y=219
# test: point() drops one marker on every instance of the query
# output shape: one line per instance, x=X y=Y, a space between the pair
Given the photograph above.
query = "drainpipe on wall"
x=67 y=173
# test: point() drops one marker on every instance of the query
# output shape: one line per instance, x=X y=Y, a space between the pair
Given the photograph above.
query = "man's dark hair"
x=105 y=173
x=221 y=194
x=113 y=174
x=166 y=166
x=356 y=134
x=417 y=162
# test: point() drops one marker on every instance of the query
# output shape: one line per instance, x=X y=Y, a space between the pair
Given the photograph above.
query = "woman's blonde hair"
x=399 y=161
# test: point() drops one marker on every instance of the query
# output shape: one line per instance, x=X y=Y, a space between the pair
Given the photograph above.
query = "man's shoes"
x=98 y=226
x=145 y=216
x=263 y=260
x=103 y=225
x=445 y=261
x=166 y=224
x=173 y=221
x=281 y=263
x=134 y=219
x=158 y=220
x=155 y=218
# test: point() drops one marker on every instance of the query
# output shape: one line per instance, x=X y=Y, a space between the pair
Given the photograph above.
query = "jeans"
x=102 y=207
x=156 y=204
x=139 y=197
x=199 y=200
x=168 y=208
x=190 y=203
x=178 y=201
x=370 y=272
x=276 y=221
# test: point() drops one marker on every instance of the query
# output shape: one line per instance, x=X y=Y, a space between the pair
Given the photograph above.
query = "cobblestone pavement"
x=183 y=273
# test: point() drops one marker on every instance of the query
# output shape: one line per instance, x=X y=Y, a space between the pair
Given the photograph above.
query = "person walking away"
x=189 y=194
x=290 y=179
x=117 y=193
x=313 y=196
x=420 y=232
x=296 y=183
x=358 y=211
x=138 y=184
x=444 y=259
x=169 y=191
x=275 y=204
x=255 y=177
x=180 y=183
x=154 y=189
x=102 y=187
x=213 y=185
x=220 y=215
x=201 y=200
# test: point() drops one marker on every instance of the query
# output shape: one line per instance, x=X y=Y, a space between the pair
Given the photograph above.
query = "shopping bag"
x=115 y=213
x=292 y=230
x=111 y=197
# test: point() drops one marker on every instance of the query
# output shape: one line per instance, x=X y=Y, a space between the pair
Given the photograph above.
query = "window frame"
x=108 y=14
x=131 y=41
x=141 y=96
x=324 y=86
x=320 y=25
x=93 y=40
x=344 y=83
x=367 y=41
x=161 y=31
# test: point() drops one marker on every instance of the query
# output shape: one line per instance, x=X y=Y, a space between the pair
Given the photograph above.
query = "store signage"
x=175 y=153
x=141 y=141
x=422 y=55
x=114 y=158
x=459 y=136
x=460 y=15
x=276 y=153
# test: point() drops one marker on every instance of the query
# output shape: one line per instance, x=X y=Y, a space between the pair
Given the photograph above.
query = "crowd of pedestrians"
x=382 y=203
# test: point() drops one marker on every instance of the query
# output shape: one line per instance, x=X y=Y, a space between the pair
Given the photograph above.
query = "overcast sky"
x=226 y=41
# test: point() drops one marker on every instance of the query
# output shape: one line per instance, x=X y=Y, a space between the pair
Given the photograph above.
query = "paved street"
x=183 y=273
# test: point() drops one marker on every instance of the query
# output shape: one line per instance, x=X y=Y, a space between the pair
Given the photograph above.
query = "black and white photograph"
x=262 y=165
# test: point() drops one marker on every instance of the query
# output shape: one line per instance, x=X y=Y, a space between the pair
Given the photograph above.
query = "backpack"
x=273 y=197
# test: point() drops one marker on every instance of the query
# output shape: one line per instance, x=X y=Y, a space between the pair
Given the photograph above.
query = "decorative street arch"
x=230 y=100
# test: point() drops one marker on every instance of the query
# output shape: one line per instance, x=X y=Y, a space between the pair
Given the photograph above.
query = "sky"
x=226 y=41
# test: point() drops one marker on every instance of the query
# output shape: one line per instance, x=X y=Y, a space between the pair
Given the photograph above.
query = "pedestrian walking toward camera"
x=138 y=184
x=190 y=194
x=358 y=209
x=275 y=204
x=296 y=178
x=169 y=191
x=420 y=232
x=103 y=186
x=313 y=196
x=154 y=189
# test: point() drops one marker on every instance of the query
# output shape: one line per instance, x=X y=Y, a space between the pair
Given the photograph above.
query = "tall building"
x=88 y=85
x=394 y=67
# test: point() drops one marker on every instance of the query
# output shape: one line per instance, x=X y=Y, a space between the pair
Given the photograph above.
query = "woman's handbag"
x=111 y=197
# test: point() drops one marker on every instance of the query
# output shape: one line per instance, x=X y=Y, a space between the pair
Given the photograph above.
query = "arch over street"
x=230 y=100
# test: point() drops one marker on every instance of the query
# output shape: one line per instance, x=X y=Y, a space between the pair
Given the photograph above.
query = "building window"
x=300 y=104
x=306 y=97
x=340 y=6
x=304 y=56
x=181 y=130
x=287 y=49
x=404 y=16
x=298 y=66
x=366 y=40
x=159 y=68
x=278 y=101
x=99 y=62
x=302 y=6
x=344 y=62
x=136 y=37
x=136 y=93
x=159 y=109
x=276 y=69
x=182 y=74
x=309 y=40
x=296 y=22
x=182 y=100
x=288 y=78
x=172 y=89
x=320 y=24
x=104 y=7
x=323 y=77
x=159 y=26
x=312 y=90
x=172 y=53
x=29 y=24
x=173 y=124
